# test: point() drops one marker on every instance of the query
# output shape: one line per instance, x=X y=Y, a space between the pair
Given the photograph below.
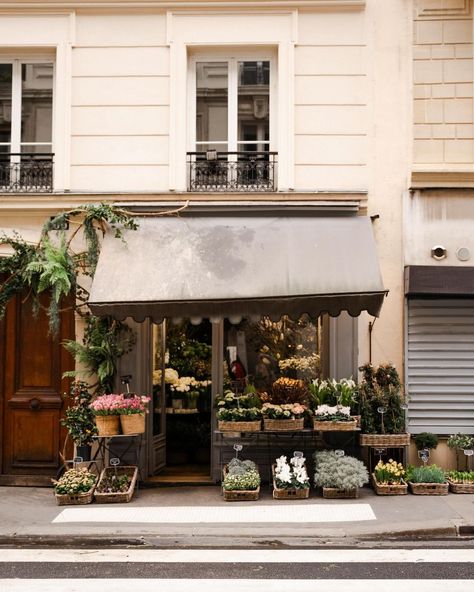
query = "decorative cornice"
x=441 y=9
x=177 y=4
x=442 y=179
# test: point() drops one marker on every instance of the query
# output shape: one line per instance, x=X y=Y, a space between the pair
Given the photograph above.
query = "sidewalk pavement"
x=28 y=513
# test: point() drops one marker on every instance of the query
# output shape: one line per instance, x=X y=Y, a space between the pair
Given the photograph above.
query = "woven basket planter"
x=75 y=499
x=117 y=498
x=334 y=426
x=429 y=488
x=283 y=425
x=335 y=493
x=461 y=487
x=239 y=426
x=384 y=440
x=286 y=494
x=384 y=489
x=242 y=495
x=107 y=425
x=133 y=424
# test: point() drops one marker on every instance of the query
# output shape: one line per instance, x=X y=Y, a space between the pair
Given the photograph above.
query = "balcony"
x=26 y=172
x=214 y=171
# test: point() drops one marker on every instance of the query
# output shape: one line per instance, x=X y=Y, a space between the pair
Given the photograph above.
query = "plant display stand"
x=460 y=487
x=385 y=489
x=429 y=488
x=120 y=497
x=335 y=493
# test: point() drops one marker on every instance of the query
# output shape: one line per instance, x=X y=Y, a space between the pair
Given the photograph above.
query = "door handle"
x=35 y=405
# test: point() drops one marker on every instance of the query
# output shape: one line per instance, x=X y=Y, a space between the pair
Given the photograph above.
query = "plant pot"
x=107 y=425
x=133 y=424
x=84 y=451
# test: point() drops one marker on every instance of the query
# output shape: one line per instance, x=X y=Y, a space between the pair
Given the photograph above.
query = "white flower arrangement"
x=291 y=475
x=332 y=413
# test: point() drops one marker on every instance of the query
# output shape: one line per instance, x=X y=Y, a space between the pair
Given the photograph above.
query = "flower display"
x=289 y=390
x=306 y=367
x=292 y=475
x=333 y=392
x=74 y=481
x=242 y=475
x=336 y=413
x=239 y=414
x=107 y=404
x=286 y=411
x=389 y=473
x=133 y=405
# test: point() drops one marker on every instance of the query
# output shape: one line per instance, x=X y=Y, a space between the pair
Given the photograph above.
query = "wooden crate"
x=117 y=498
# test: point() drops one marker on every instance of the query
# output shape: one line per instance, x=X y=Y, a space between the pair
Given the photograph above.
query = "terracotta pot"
x=107 y=425
x=133 y=424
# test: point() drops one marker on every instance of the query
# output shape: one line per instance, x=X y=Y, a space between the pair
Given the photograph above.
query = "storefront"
x=229 y=300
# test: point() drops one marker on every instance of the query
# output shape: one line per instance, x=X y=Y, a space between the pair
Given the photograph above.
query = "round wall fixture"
x=439 y=252
x=463 y=254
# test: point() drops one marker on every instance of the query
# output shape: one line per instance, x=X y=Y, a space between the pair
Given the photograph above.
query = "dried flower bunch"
x=78 y=480
x=389 y=473
x=242 y=475
x=341 y=472
x=292 y=475
x=289 y=390
x=289 y=411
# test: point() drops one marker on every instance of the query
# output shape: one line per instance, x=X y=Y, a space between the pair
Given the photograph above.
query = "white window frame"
x=15 y=138
x=232 y=58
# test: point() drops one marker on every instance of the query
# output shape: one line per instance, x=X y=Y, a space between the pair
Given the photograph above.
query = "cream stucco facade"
x=372 y=105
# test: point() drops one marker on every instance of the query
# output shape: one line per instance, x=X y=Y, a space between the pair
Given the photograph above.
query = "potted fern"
x=338 y=475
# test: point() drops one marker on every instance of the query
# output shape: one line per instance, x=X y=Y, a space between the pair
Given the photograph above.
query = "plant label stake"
x=404 y=406
x=237 y=448
x=298 y=454
x=380 y=451
x=468 y=453
x=382 y=410
x=115 y=462
x=339 y=453
x=424 y=455
x=77 y=461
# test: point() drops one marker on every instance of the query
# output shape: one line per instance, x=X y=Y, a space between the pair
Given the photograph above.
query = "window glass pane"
x=157 y=377
x=5 y=105
x=259 y=352
x=36 y=102
x=254 y=105
x=212 y=102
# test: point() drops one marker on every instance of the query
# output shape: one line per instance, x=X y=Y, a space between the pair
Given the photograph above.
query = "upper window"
x=26 y=107
x=232 y=127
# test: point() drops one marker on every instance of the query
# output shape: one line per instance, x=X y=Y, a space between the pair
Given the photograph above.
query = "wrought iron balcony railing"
x=232 y=171
x=30 y=172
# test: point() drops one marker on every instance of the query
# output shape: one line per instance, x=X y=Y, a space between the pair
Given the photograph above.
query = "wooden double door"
x=31 y=404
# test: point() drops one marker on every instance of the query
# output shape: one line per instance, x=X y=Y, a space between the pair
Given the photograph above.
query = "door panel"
x=34 y=362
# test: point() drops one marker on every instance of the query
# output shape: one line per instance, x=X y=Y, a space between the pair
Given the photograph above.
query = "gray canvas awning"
x=239 y=267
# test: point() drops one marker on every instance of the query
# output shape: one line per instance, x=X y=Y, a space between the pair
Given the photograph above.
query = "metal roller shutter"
x=440 y=365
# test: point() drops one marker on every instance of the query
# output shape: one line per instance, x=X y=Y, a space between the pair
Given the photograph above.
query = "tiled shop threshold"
x=288 y=513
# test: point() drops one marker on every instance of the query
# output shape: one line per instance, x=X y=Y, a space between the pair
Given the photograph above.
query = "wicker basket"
x=107 y=425
x=133 y=424
x=385 y=440
x=117 y=498
x=283 y=425
x=239 y=495
x=461 y=487
x=287 y=494
x=429 y=488
x=335 y=493
x=385 y=489
x=239 y=426
x=335 y=426
x=75 y=499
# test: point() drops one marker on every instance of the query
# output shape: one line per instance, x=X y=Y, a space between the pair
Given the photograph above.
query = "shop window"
x=232 y=141
x=26 y=108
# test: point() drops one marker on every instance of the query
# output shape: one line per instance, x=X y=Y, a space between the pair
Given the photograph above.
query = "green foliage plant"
x=461 y=476
x=341 y=472
x=74 y=481
x=78 y=417
x=426 y=440
x=381 y=387
x=242 y=475
x=461 y=442
x=426 y=474
x=115 y=483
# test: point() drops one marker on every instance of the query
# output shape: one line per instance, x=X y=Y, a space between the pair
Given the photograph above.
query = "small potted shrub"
x=132 y=413
x=241 y=481
x=79 y=419
x=339 y=476
x=387 y=478
x=106 y=412
x=290 y=479
x=427 y=480
x=239 y=413
x=75 y=487
x=426 y=441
